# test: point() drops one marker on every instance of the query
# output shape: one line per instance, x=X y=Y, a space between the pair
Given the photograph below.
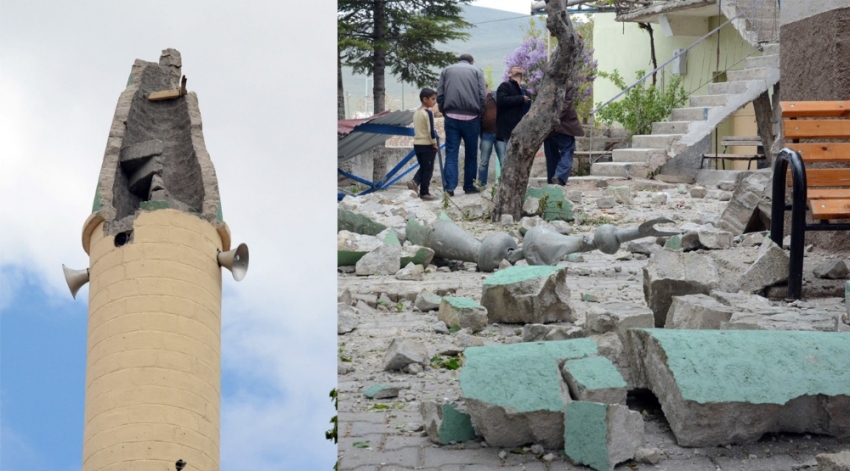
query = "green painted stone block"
x=154 y=205
x=219 y=215
x=417 y=259
x=585 y=434
x=522 y=376
x=755 y=366
x=589 y=298
x=381 y=391
x=595 y=373
x=417 y=233
x=575 y=257
x=456 y=425
x=392 y=238
x=520 y=273
x=462 y=303
x=674 y=243
x=444 y=216
x=345 y=258
x=96 y=204
x=557 y=207
x=352 y=222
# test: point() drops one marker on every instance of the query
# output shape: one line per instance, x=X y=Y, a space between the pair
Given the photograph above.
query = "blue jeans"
x=457 y=129
x=502 y=148
x=484 y=152
x=559 y=149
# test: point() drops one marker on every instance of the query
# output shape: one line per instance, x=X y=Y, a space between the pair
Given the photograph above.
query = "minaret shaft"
x=153 y=369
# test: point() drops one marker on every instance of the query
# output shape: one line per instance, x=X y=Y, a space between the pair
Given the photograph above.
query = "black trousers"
x=425 y=155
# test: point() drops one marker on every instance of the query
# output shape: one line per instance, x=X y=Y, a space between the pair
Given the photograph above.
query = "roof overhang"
x=671 y=8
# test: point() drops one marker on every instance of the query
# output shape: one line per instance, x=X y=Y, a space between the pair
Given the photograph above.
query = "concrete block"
x=831 y=270
x=557 y=208
x=743 y=211
x=696 y=311
x=595 y=379
x=605 y=202
x=351 y=247
x=403 y=352
x=411 y=272
x=445 y=423
x=544 y=332
x=698 y=192
x=416 y=254
x=384 y=260
x=347 y=319
x=777 y=319
x=622 y=194
x=462 y=312
x=528 y=294
x=834 y=461
x=770 y=267
x=722 y=387
x=381 y=391
x=353 y=222
x=670 y=273
x=601 y=435
x=515 y=393
x=427 y=301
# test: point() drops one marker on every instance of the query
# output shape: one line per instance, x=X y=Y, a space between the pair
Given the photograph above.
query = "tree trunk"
x=340 y=92
x=379 y=55
x=648 y=28
x=542 y=117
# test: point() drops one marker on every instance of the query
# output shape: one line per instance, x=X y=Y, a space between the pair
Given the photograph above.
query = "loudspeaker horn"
x=235 y=260
x=76 y=279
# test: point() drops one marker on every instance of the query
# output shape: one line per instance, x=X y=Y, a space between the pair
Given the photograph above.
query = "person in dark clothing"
x=560 y=145
x=488 y=138
x=461 y=98
x=512 y=102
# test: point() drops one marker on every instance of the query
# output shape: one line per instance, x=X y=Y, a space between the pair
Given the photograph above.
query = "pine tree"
x=399 y=35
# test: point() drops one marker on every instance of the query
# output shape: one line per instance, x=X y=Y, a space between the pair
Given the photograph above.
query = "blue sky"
x=269 y=126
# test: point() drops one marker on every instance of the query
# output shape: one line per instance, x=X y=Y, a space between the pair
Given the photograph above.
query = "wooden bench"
x=728 y=141
x=825 y=191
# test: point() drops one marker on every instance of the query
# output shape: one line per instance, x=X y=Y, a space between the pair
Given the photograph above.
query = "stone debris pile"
x=553 y=360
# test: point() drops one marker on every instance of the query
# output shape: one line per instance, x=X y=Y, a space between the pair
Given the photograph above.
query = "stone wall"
x=815 y=49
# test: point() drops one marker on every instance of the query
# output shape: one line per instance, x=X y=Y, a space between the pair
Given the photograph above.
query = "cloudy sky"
x=264 y=73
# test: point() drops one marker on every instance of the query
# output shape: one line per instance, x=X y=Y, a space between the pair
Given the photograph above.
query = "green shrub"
x=642 y=105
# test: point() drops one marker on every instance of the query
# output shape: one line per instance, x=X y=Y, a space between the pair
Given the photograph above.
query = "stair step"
x=670 y=127
x=708 y=100
x=746 y=74
x=771 y=49
x=636 y=154
x=655 y=141
x=727 y=88
x=620 y=169
x=699 y=113
x=762 y=61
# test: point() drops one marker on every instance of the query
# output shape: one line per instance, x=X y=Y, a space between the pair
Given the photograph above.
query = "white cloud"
x=265 y=78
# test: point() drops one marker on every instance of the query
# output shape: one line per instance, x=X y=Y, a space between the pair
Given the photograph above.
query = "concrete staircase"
x=688 y=126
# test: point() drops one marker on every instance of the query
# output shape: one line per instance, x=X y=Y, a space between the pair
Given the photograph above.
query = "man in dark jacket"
x=513 y=103
x=560 y=144
x=488 y=138
x=461 y=99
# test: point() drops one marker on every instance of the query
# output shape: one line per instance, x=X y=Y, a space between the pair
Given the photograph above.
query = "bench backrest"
x=819 y=120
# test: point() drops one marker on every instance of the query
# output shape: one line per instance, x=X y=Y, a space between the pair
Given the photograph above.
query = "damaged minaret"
x=156 y=241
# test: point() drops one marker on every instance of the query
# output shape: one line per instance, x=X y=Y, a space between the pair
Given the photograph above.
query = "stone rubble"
x=421 y=346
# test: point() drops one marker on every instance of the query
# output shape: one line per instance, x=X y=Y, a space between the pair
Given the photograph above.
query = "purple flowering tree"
x=531 y=55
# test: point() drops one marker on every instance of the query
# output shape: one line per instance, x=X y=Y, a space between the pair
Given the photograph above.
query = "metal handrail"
x=676 y=56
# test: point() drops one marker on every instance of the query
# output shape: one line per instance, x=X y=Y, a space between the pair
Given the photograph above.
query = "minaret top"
x=155 y=155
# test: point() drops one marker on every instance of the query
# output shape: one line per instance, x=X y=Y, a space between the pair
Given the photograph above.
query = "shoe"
x=472 y=190
x=413 y=186
x=450 y=192
x=560 y=182
x=427 y=197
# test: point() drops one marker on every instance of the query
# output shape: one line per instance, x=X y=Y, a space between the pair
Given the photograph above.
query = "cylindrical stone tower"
x=153 y=369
